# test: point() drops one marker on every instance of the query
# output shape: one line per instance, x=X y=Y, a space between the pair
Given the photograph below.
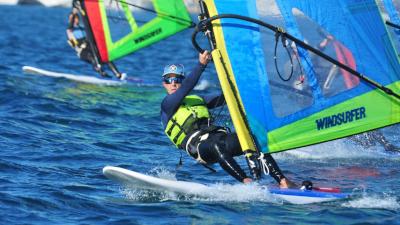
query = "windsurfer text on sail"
x=341 y=118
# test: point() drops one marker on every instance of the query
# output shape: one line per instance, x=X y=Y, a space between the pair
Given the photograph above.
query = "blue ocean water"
x=56 y=136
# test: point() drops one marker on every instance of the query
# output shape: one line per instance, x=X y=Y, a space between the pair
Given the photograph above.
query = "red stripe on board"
x=94 y=15
x=345 y=56
x=327 y=189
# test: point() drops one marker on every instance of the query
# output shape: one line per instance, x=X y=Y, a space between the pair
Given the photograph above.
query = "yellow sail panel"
x=228 y=84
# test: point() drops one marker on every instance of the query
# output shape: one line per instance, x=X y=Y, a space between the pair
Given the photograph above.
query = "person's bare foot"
x=285 y=183
x=247 y=180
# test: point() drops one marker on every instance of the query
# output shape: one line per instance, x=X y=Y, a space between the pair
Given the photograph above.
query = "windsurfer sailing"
x=186 y=121
x=77 y=40
x=372 y=138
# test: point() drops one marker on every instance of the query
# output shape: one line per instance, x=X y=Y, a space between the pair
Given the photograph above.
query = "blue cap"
x=177 y=69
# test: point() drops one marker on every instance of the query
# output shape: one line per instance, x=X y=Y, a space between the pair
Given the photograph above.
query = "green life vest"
x=192 y=109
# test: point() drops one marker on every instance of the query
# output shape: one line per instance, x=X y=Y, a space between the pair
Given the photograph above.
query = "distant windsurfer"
x=371 y=138
x=186 y=121
x=344 y=56
x=333 y=71
x=77 y=40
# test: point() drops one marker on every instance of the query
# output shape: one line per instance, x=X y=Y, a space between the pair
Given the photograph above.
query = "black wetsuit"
x=213 y=144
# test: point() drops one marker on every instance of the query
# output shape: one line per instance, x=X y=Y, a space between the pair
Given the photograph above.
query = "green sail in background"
x=117 y=32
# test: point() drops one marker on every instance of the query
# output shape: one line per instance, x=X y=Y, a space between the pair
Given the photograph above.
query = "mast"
x=229 y=88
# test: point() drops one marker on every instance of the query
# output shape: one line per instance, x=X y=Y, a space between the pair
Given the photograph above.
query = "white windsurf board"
x=78 y=78
x=129 y=177
x=139 y=180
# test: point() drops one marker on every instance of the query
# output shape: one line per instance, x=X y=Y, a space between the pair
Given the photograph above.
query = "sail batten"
x=321 y=101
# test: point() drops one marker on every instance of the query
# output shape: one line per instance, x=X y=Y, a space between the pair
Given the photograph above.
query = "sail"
x=276 y=108
x=116 y=30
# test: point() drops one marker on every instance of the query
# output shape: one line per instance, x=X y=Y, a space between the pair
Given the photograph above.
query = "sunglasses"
x=177 y=80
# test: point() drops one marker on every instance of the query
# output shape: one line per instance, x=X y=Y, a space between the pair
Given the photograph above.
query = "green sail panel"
x=108 y=19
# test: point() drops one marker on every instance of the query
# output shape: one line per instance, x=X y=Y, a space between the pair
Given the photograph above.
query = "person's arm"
x=325 y=42
x=71 y=38
x=70 y=34
x=215 y=101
